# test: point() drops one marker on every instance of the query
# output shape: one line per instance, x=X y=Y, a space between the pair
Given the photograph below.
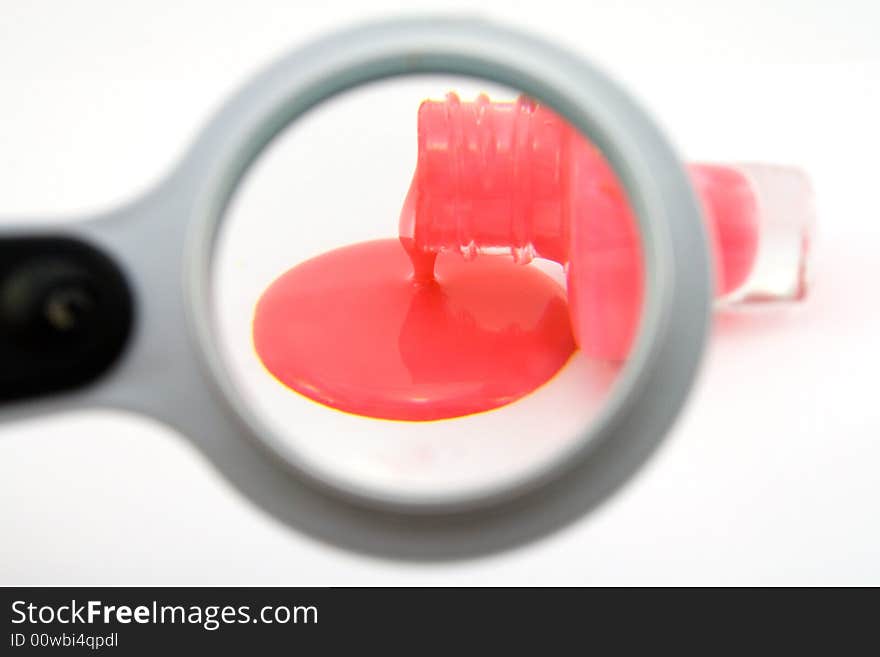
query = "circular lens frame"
x=657 y=377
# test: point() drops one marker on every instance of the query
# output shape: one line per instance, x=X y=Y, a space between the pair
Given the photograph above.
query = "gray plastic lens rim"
x=655 y=381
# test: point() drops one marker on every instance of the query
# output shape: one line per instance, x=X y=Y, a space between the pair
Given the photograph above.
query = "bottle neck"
x=491 y=177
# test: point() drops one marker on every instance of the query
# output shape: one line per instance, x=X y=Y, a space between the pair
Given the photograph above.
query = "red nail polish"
x=368 y=330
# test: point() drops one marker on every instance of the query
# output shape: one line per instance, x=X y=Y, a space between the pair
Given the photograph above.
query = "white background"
x=771 y=474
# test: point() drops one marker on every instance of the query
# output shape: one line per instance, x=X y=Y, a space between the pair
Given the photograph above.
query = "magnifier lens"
x=426 y=287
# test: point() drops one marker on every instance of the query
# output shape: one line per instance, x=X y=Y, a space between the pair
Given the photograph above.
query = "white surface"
x=770 y=476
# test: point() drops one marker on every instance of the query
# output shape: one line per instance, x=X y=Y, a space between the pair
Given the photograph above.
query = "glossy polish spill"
x=437 y=324
x=355 y=329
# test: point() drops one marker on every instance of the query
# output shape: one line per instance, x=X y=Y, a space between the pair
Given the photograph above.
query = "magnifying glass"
x=424 y=288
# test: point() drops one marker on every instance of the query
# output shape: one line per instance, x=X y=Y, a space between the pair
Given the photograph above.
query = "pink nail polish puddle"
x=443 y=322
x=352 y=329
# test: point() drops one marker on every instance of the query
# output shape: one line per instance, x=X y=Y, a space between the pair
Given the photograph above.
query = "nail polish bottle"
x=515 y=178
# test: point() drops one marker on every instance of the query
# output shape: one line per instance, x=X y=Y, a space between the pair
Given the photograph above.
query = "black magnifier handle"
x=66 y=314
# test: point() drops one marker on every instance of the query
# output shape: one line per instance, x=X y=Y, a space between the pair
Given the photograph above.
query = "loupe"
x=423 y=288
